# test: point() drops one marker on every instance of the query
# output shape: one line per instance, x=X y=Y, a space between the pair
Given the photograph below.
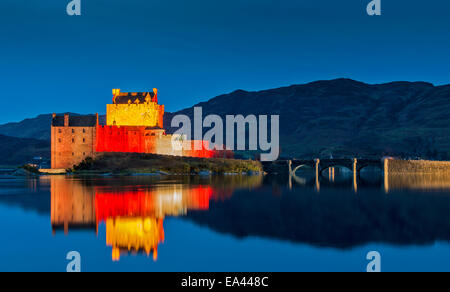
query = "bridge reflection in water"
x=134 y=214
x=322 y=166
x=133 y=210
x=325 y=171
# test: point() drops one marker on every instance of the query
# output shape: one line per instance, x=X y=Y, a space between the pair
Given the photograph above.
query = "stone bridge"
x=320 y=165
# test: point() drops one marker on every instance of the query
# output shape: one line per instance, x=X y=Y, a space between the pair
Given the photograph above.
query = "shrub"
x=86 y=164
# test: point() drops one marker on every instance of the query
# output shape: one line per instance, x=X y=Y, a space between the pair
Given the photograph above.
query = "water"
x=225 y=223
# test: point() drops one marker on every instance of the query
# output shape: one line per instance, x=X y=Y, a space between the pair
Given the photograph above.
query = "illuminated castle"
x=134 y=124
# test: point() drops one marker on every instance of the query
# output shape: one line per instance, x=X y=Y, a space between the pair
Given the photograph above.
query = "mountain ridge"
x=339 y=117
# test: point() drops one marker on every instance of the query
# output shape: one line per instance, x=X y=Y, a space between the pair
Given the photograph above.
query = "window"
x=73 y=154
x=73 y=131
x=84 y=131
x=84 y=153
x=84 y=140
x=73 y=140
x=59 y=140
x=59 y=131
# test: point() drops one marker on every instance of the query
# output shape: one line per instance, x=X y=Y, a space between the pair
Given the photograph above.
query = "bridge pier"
x=386 y=175
x=355 y=175
x=290 y=174
x=331 y=174
x=318 y=170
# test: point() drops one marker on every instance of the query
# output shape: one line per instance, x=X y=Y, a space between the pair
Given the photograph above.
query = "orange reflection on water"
x=133 y=216
x=417 y=181
x=159 y=202
x=72 y=205
x=134 y=233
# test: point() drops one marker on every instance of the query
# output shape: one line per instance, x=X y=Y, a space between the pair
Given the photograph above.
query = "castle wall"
x=127 y=139
x=146 y=114
x=142 y=140
x=71 y=145
x=134 y=125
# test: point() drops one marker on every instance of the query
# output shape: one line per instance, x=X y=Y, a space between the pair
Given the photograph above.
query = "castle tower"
x=135 y=109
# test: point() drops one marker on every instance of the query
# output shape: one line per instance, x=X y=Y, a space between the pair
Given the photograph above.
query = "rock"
x=22 y=172
x=145 y=174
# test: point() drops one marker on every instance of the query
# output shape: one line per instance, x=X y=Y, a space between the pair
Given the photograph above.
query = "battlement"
x=134 y=97
x=135 y=109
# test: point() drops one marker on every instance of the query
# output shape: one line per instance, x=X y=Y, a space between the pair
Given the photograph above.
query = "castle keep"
x=134 y=124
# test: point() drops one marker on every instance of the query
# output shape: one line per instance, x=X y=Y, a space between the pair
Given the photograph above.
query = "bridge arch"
x=375 y=166
x=322 y=170
x=294 y=171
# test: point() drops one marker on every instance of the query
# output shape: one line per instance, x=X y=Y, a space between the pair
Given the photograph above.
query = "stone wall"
x=148 y=115
x=418 y=166
x=71 y=145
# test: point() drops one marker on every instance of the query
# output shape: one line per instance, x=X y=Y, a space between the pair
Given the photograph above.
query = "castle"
x=134 y=124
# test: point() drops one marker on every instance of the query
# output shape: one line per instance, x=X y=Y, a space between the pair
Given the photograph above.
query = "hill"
x=16 y=151
x=344 y=117
x=339 y=117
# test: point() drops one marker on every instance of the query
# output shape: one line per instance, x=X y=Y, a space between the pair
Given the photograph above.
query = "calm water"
x=225 y=224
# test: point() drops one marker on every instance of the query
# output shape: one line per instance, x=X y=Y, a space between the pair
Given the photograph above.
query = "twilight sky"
x=193 y=50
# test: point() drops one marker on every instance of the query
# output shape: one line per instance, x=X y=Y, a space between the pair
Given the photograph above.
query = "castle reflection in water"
x=134 y=215
x=337 y=215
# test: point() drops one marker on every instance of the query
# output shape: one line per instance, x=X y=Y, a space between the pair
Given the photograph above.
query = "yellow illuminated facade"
x=135 y=109
x=134 y=234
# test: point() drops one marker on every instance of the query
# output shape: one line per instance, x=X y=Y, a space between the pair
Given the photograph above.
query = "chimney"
x=66 y=120
x=54 y=115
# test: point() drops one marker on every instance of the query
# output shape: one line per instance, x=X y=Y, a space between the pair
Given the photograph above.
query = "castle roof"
x=123 y=98
x=75 y=121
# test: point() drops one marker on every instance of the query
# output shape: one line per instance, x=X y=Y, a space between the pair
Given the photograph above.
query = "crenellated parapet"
x=135 y=109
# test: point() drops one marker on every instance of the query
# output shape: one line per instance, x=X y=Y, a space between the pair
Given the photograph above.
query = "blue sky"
x=193 y=50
